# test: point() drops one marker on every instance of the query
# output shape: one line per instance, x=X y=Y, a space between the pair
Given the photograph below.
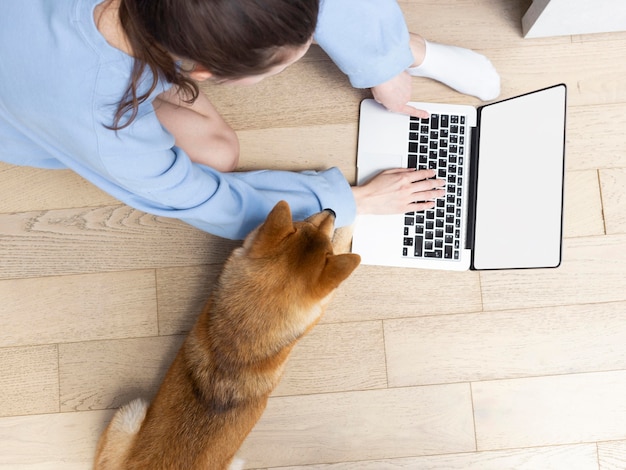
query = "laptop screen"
x=519 y=192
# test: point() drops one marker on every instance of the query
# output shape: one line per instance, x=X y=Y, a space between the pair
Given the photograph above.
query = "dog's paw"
x=342 y=239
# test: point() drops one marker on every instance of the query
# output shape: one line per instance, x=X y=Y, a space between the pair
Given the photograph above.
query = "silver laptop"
x=504 y=168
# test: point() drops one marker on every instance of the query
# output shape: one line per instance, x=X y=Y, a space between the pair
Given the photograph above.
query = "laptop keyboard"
x=437 y=143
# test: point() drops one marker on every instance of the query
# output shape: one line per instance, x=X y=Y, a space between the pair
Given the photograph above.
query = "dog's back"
x=271 y=292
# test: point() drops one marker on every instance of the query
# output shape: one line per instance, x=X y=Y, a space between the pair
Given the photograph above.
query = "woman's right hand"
x=398 y=191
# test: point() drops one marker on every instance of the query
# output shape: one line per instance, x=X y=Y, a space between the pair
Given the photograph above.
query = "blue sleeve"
x=367 y=39
x=229 y=205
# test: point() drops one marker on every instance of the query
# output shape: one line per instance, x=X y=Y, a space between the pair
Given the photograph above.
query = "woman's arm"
x=199 y=130
x=367 y=39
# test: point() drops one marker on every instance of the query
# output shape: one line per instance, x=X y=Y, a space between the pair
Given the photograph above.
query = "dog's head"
x=299 y=255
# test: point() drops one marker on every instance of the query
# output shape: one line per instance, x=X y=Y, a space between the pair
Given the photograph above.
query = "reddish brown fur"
x=271 y=292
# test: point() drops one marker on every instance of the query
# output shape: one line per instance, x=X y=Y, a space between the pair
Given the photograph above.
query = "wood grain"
x=408 y=368
x=580 y=457
x=357 y=425
x=613 y=182
x=29 y=380
x=513 y=343
x=612 y=455
x=77 y=308
x=550 y=410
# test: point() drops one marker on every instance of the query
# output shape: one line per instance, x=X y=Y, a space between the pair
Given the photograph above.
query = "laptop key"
x=417 y=247
x=434 y=121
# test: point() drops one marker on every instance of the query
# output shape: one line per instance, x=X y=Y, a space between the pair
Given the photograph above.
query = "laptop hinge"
x=473 y=183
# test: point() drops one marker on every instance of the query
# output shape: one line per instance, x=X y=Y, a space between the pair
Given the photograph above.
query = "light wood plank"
x=598 y=37
x=108 y=374
x=595 y=136
x=583 y=205
x=339 y=427
x=182 y=293
x=31 y=189
x=336 y=357
x=449 y=21
x=29 y=380
x=614 y=199
x=517 y=343
x=593 y=270
x=374 y=292
x=52 y=441
x=579 y=457
x=601 y=84
x=110 y=238
x=612 y=455
x=301 y=148
x=550 y=410
x=77 y=308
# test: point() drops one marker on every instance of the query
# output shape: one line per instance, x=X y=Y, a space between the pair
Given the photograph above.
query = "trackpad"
x=370 y=164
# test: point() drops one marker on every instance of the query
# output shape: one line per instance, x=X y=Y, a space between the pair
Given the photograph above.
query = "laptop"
x=504 y=167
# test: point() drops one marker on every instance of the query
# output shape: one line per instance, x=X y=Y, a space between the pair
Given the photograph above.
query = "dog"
x=271 y=292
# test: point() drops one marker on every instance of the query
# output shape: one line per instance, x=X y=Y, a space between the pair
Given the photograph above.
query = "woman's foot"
x=462 y=69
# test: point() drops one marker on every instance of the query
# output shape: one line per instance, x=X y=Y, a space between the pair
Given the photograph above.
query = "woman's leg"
x=464 y=70
x=199 y=130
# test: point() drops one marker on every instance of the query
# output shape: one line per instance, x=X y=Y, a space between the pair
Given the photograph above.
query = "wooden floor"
x=505 y=370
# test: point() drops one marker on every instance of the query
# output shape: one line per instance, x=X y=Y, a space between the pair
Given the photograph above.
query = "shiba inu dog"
x=271 y=292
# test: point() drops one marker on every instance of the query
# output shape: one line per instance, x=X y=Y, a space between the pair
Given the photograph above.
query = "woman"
x=154 y=142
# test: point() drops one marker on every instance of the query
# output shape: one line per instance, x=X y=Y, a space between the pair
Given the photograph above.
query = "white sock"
x=464 y=70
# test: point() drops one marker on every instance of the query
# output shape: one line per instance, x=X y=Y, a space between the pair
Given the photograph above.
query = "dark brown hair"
x=230 y=38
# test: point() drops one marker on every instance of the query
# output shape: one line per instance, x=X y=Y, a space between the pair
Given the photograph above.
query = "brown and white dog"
x=271 y=292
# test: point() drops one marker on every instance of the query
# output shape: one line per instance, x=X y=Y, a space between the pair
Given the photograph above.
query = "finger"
x=421 y=175
x=413 y=111
x=427 y=196
x=427 y=185
x=408 y=171
x=420 y=206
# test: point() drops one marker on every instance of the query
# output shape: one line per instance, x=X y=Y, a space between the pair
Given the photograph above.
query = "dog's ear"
x=276 y=227
x=337 y=270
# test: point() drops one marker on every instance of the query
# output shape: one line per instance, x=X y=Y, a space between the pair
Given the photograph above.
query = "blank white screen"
x=519 y=199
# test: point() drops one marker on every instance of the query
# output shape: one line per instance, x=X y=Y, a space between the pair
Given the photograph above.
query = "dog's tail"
x=236 y=464
x=118 y=436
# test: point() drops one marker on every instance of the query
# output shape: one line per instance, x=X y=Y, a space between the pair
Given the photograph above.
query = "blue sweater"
x=60 y=82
